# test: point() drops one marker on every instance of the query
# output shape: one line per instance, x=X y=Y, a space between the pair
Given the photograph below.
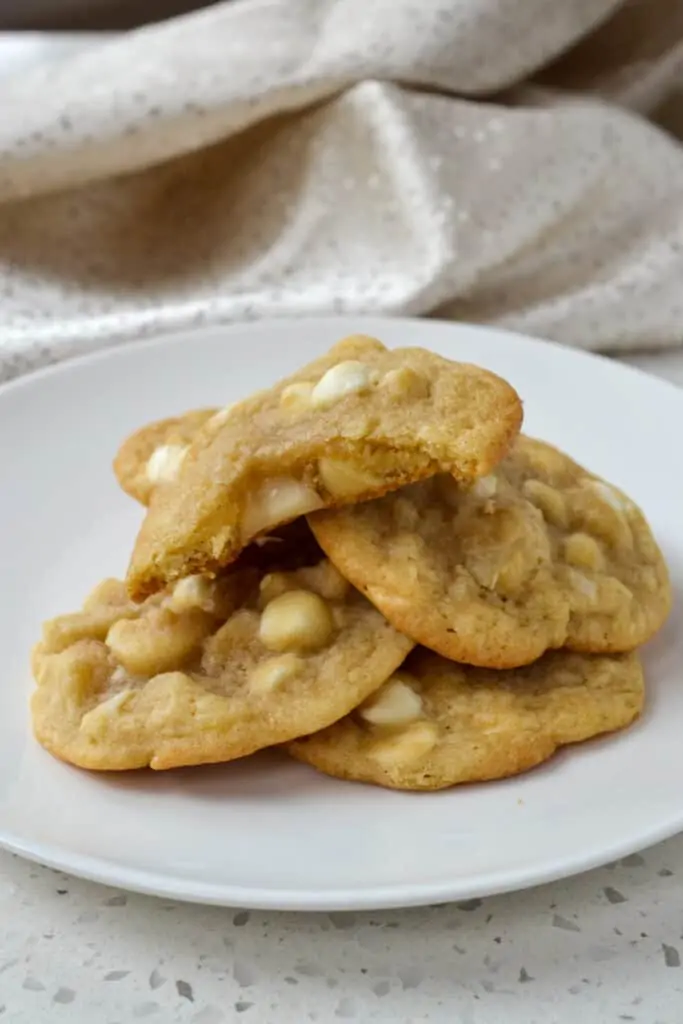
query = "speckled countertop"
x=604 y=947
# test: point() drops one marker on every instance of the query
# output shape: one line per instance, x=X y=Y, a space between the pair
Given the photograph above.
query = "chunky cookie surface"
x=436 y=724
x=356 y=423
x=209 y=669
x=537 y=555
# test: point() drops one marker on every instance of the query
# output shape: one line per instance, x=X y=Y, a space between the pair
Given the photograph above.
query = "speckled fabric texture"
x=488 y=160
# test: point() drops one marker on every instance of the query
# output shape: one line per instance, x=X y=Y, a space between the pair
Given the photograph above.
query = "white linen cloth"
x=487 y=160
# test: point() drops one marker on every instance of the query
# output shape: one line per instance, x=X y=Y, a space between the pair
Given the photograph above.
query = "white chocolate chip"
x=115 y=703
x=297 y=396
x=119 y=676
x=610 y=496
x=298 y=620
x=274 y=672
x=583 y=585
x=485 y=487
x=395 y=703
x=273 y=584
x=345 y=378
x=277 y=501
x=404 y=382
x=345 y=479
x=220 y=417
x=262 y=542
x=406 y=747
x=96 y=720
x=157 y=642
x=193 y=592
x=164 y=463
x=583 y=551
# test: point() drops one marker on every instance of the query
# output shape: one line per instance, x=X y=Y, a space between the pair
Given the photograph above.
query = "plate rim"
x=363 y=324
x=394 y=897
x=108 y=872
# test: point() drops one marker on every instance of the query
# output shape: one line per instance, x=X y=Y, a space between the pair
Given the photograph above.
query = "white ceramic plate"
x=268 y=832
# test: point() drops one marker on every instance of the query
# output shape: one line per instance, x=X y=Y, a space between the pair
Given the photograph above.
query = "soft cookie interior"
x=360 y=421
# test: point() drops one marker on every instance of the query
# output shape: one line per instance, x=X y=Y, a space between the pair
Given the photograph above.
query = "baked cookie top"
x=354 y=424
x=436 y=724
x=209 y=669
x=538 y=554
x=152 y=455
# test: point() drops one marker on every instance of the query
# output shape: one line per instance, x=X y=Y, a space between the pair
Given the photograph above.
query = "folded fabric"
x=471 y=159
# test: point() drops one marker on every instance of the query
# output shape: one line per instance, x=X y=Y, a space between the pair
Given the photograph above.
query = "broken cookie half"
x=358 y=422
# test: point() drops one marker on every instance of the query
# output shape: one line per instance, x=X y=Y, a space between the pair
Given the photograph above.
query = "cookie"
x=209 y=669
x=539 y=554
x=436 y=724
x=356 y=423
x=153 y=454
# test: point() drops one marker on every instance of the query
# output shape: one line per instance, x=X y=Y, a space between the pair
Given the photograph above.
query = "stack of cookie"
x=367 y=564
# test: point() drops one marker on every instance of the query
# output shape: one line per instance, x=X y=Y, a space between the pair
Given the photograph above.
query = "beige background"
x=487 y=160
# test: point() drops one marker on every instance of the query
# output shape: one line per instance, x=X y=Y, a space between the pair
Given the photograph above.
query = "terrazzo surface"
x=605 y=946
